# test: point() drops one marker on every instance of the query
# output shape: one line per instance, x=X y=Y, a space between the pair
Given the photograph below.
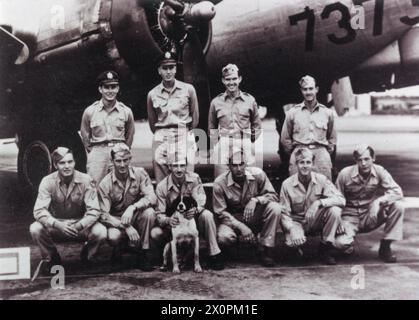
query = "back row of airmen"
x=117 y=202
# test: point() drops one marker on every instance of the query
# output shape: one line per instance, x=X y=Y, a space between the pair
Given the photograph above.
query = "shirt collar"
x=240 y=96
x=116 y=106
x=130 y=171
x=296 y=182
x=76 y=178
x=317 y=106
x=230 y=181
x=176 y=86
x=171 y=184
x=355 y=172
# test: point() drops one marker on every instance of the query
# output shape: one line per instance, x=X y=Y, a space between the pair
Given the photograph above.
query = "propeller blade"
x=195 y=73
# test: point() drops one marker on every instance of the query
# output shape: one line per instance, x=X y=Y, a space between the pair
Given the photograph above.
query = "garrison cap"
x=236 y=155
x=361 y=148
x=229 y=70
x=108 y=77
x=303 y=153
x=59 y=153
x=120 y=147
x=167 y=58
x=307 y=80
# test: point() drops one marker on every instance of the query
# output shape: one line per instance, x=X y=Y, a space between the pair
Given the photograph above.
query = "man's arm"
x=255 y=122
x=41 y=209
x=198 y=193
x=194 y=107
x=286 y=133
x=85 y=130
x=146 y=187
x=285 y=201
x=129 y=128
x=220 y=207
x=105 y=203
x=152 y=116
x=333 y=197
x=331 y=134
x=266 y=190
x=162 y=219
x=213 y=123
x=91 y=202
x=392 y=191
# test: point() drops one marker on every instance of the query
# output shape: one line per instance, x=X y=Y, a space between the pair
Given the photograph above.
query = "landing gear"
x=34 y=159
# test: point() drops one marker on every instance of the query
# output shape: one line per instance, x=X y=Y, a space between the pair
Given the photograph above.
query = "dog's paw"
x=197 y=268
x=176 y=270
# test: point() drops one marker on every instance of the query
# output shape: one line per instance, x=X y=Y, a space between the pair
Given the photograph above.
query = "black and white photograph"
x=223 y=151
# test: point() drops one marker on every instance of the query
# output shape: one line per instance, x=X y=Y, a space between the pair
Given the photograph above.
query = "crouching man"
x=246 y=203
x=188 y=184
x=126 y=199
x=311 y=204
x=372 y=199
x=67 y=207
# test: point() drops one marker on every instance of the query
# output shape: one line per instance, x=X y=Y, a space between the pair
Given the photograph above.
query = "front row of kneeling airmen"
x=125 y=208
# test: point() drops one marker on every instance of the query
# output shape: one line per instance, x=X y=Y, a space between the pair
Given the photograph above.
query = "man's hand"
x=340 y=230
x=190 y=214
x=77 y=226
x=249 y=210
x=67 y=228
x=127 y=216
x=383 y=202
x=296 y=237
x=311 y=213
x=133 y=235
x=246 y=234
x=374 y=209
x=173 y=221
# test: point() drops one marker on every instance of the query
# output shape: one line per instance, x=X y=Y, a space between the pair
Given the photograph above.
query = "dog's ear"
x=173 y=207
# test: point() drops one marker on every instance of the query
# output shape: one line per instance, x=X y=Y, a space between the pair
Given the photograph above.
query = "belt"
x=311 y=146
x=106 y=143
x=187 y=127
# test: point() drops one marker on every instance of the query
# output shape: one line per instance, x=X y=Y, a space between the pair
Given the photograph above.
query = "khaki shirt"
x=115 y=198
x=360 y=193
x=296 y=200
x=234 y=116
x=99 y=125
x=229 y=198
x=304 y=127
x=56 y=201
x=167 y=192
x=172 y=108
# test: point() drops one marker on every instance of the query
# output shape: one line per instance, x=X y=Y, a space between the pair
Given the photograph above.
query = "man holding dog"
x=311 y=204
x=188 y=184
x=245 y=203
x=126 y=198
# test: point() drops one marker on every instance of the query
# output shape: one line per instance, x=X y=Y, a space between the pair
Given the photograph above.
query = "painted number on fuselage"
x=345 y=21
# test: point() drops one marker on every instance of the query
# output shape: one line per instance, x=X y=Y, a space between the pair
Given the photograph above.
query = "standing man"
x=181 y=182
x=372 y=199
x=173 y=111
x=311 y=125
x=311 y=204
x=127 y=197
x=105 y=123
x=246 y=203
x=66 y=207
x=233 y=120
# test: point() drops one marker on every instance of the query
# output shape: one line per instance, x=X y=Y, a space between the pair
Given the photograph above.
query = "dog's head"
x=182 y=205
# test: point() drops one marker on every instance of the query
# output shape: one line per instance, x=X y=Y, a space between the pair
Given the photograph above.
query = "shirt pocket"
x=118 y=127
x=98 y=128
x=320 y=128
x=76 y=198
x=298 y=205
x=180 y=105
x=243 y=117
